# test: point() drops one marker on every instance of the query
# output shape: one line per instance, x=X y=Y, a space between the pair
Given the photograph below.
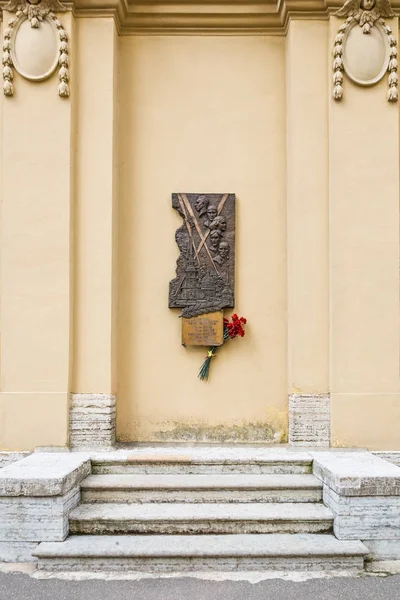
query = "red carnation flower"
x=232 y=329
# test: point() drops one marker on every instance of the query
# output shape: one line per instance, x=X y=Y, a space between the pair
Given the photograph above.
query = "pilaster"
x=307 y=232
x=364 y=263
x=95 y=298
x=36 y=257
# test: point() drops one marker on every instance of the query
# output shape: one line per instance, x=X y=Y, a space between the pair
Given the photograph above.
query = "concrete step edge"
x=141 y=460
x=236 y=545
x=201 y=482
x=151 y=512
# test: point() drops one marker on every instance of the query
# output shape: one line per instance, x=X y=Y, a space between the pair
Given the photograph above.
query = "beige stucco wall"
x=95 y=225
x=87 y=237
x=36 y=260
x=364 y=266
x=201 y=114
x=307 y=99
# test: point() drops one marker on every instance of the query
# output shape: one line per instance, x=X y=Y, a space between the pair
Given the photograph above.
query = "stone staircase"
x=168 y=513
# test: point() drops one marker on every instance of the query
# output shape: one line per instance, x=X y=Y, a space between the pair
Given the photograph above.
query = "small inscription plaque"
x=203 y=330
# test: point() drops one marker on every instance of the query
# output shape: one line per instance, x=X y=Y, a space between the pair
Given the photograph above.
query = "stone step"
x=178 y=518
x=201 y=488
x=165 y=554
x=206 y=460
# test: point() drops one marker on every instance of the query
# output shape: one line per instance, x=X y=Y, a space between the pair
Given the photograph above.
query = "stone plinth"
x=309 y=420
x=363 y=492
x=17 y=552
x=92 y=421
x=390 y=456
x=364 y=517
x=32 y=519
x=36 y=497
x=7 y=458
x=357 y=474
x=44 y=474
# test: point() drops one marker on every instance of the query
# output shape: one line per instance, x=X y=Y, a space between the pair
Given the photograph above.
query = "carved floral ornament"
x=32 y=16
x=365 y=34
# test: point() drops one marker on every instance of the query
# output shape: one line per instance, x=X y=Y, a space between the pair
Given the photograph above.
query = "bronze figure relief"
x=205 y=269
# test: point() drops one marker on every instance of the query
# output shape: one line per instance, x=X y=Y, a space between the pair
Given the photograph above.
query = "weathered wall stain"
x=257 y=431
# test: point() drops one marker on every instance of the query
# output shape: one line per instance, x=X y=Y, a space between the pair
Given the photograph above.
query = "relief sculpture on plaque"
x=205 y=269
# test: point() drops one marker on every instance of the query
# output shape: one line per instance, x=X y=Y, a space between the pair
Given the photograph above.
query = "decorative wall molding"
x=37 y=14
x=34 y=10
x=174 y=17
x=365 y=13
x=365 y=16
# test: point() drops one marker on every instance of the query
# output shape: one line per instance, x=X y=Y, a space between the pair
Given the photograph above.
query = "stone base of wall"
x=7 y=458
x=17 y=552
x=92 y=421
x=310 y=420
x=36 y=496
x=29 y=518
x=364 y=517
x=383 y=549
x=363 y=492
x=391 y=456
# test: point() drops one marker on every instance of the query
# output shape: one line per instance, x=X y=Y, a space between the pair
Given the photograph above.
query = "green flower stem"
x=205 y=367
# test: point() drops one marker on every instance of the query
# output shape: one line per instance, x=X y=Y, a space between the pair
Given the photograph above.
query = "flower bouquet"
x=232 y=329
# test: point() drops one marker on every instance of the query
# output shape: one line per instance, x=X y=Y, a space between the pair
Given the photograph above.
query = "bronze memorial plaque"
x=205 y=269
x=203 y=330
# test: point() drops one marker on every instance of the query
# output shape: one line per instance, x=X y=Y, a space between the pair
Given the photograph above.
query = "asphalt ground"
x=16 y=586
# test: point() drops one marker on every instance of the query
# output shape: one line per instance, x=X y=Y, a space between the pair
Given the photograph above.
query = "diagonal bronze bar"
x=190 y=211
x=182 y=205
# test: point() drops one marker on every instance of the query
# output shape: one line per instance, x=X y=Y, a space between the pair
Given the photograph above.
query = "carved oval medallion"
x=35 y=51
x=365 y=56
